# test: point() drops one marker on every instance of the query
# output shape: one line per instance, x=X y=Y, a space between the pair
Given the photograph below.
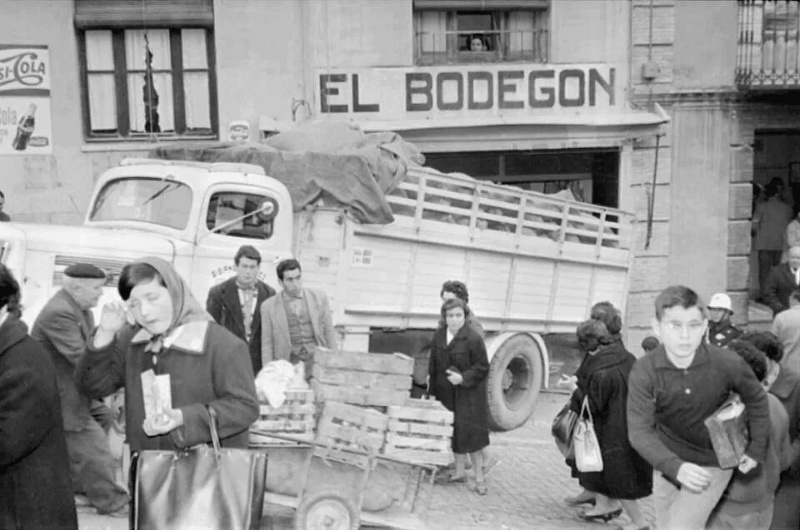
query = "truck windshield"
x=149 y=200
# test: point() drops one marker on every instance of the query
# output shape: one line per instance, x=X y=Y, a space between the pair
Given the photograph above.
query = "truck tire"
x=515 y=378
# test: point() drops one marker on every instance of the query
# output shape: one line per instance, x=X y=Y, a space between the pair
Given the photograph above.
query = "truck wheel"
x=515 y=377
x=326 y=510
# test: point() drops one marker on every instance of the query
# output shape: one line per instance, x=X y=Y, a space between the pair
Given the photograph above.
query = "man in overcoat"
x=64 y=328
x=235 y=304
x=296 y=320
x=782 y=280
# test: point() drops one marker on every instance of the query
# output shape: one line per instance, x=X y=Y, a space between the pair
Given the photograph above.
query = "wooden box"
x=727 y=428
x=365 y=379
x=294 y=418
x=347 y=426
x=420 y=432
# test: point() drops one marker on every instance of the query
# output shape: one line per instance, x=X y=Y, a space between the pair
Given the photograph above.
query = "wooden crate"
x=294 y=418
x=384 y=363
x=365 y=397
x=347 y=426
x=419 y=431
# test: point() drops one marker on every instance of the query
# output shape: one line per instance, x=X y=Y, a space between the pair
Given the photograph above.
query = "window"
x=232 y=214
x=472 y=32
x=140 y=82
x=148 y=200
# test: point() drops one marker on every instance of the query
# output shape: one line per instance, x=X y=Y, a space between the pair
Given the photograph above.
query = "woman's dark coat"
x=604 y=378
x=467 y=353
x=35 y=484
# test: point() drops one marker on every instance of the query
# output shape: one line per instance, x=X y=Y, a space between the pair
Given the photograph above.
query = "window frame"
x=499 y=37
x=120 y=73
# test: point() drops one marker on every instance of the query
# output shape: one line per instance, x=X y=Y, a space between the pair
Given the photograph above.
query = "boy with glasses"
x=672 y=390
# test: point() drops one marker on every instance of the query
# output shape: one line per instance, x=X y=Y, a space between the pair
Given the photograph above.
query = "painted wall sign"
x=467 y=91
x=25 y=126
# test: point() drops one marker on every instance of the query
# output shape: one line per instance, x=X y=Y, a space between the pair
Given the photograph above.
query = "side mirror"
x=264 y=212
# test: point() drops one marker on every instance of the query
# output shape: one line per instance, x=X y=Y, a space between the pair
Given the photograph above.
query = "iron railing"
x=498 y=45
x=768 y=53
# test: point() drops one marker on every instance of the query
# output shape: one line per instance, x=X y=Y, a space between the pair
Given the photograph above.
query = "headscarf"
x=185 y=307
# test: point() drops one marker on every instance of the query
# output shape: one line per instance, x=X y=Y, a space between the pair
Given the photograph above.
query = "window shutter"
x=92 y=14
x=480 y=5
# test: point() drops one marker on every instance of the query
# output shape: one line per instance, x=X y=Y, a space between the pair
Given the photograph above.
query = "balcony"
x=767 y=56
x=448 y=47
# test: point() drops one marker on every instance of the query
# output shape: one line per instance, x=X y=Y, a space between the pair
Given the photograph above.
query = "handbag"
x=588 y=457
x=198 y=487
x=563 y=428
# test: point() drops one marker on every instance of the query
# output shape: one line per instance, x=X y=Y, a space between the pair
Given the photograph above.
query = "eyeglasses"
x=694 y=326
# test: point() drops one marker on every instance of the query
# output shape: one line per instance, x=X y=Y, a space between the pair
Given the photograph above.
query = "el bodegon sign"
x=467 y=91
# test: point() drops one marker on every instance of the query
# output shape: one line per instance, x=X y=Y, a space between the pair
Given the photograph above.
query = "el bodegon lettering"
x=471 y=90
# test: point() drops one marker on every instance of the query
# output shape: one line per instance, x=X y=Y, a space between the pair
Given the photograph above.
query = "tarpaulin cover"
x=330 y=161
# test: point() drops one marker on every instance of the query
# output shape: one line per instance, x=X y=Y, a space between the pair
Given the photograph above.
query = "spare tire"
x=515 y=378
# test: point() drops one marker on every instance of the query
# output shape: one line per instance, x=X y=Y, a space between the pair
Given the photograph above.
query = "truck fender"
x=518 y=368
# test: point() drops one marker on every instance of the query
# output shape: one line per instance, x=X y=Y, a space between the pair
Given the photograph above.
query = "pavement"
x=526 y=489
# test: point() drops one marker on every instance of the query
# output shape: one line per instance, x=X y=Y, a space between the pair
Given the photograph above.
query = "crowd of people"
x=649 y=414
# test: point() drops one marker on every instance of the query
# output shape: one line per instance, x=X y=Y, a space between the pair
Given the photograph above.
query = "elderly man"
x=782 y=280
x=236 y=303
x=64 y=328
x=295 y=321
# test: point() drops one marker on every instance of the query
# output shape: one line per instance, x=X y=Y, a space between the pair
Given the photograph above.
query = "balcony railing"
x=495 y=46
x=768 y=54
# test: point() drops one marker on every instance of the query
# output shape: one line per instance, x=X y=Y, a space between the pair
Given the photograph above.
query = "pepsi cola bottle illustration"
x=25 y=129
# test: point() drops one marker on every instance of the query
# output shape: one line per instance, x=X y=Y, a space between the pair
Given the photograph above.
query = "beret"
x=84 y=270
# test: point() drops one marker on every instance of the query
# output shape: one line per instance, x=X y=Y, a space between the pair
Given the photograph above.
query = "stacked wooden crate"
x=365 y=379
x=419 y=431
x=294 y=418
x=351 y=427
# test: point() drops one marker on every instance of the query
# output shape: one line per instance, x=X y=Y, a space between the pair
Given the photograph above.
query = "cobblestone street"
x=526 y=489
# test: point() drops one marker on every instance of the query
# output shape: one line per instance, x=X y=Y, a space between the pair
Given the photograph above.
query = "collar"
x=12 y=331
x=189 y=337
x=661 y=360
x=241 y=287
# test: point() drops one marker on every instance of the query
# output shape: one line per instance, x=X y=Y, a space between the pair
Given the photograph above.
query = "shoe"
x=481 y=488
x=491 y=464
x=581 y=498
x=605 y=517
x=451 y=478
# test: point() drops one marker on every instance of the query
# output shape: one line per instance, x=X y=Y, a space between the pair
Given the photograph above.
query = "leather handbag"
x=588 y=457
x=207 y=487
x=563 y=428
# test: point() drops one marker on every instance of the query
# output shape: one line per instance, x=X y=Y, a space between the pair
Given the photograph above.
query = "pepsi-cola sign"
x=24 y=70
x=25 y=126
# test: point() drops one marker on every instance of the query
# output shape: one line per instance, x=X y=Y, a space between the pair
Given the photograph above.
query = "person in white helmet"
x=720 y=329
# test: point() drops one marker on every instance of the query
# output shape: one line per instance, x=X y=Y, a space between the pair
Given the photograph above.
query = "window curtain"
x=100 y=77
x=159 y=115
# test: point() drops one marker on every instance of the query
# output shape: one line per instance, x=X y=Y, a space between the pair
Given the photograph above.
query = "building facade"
x=543 y=94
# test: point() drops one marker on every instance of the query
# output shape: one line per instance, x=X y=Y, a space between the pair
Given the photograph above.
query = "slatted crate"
x=420 y=431
x=360 y=378
x=350 y=427
x=295 y=418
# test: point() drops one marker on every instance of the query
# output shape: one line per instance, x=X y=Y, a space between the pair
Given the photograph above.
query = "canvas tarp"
x=336 y=163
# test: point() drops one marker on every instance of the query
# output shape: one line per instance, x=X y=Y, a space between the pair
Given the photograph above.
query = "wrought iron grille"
x=768 y=52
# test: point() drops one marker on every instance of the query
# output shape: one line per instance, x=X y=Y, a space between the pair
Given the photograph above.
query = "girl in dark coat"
x=603 y=378
x=35 y=483
x=457 y=370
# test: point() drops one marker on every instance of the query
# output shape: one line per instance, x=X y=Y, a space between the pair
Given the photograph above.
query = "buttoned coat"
x=780 y=284
x=225 y=307
x=466 y=352
x=35 y=483
x=275 y=340
x=64 y=329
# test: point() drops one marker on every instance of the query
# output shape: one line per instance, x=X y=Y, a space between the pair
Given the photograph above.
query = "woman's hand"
x=455 y=378
x=112 y=319
x=163 y=422
x=568 y=381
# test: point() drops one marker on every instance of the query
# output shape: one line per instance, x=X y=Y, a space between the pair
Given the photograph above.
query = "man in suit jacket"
x=295 y=320
x=236 y=303
x=782 y=280
x=64 y=328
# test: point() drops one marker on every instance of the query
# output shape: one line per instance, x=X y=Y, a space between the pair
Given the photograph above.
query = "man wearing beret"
x=64 y=328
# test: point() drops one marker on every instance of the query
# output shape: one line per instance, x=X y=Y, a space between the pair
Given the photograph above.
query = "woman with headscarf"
x=207 y=365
